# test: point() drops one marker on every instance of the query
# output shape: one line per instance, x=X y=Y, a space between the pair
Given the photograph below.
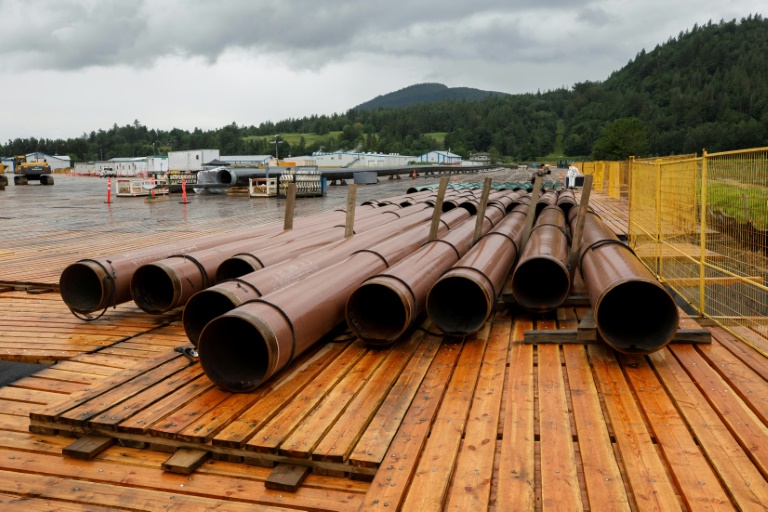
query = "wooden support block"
x=286 y=477
x=35 y=429
x=560 y=337
x=39 y=291
x=587 y=330
x=695 y=336
x=185 y=461
x=88 y=447
x=162 y=448
x=256 y=461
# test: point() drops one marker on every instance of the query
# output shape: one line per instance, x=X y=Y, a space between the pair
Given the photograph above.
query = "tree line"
x=705 y=88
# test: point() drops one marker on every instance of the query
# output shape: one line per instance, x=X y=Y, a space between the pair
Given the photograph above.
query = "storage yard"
x=533 y=411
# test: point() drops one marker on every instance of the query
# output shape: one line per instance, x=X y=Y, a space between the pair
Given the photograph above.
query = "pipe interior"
x=201 y=309
x=457 y=305
x=233 y=354
x=637 y=317
x=377 y=313
x=152 y=289
x=233 y=268
x=81 y=288
x=540 y=285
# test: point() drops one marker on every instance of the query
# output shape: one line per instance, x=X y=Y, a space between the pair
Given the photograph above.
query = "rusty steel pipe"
x=244 y=262
x=566 y=200
x=94 y=284
x=547 y=198
x=461 y=301
x=385 y=306
x=244 y=347
x=217 y=300
x=633 y=313
x=541 y=279
x=169 y=283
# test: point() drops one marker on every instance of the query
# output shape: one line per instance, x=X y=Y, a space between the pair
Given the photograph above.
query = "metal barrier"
x=262 y=187
x=701 y=224
x=127 y=187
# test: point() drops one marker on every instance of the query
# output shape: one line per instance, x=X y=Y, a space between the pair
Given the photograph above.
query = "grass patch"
x=295 y=138
x=745 y=202
x=438 y=136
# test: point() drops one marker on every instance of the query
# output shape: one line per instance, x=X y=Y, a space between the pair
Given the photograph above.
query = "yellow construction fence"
x=701 y=225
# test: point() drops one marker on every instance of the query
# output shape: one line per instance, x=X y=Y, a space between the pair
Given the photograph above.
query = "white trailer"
x=192 y=160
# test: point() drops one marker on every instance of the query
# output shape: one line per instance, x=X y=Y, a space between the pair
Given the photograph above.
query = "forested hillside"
x=426 y=93
x=705 y=88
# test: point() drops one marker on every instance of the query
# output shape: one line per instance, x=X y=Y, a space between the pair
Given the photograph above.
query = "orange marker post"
x=184 y=191
x=109 y=190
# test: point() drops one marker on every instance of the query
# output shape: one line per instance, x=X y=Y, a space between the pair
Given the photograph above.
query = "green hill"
x=426 y=93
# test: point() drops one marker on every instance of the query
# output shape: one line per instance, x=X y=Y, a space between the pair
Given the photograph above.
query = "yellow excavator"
x=25 y=171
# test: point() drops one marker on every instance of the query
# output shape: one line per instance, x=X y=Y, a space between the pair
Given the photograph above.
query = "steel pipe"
x=566 y=200
x=541 y=279
x=245 y=262
x=242 y=348
x=633 y=313
x=385 y=306
x=462 y=300
x=94 y=284
x=169 y=283
x=217 y=300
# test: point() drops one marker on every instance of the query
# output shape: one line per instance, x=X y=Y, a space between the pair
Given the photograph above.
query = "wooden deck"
x=434 y=423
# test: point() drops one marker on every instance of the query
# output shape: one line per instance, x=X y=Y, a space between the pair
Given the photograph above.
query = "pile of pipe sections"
x=255 y=299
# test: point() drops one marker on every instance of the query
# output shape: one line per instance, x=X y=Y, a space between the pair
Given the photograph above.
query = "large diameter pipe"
x=633 y=313
x=566 y=200
x=541 y=279
x=94 y=284
x=244 y=262
x=242 y=348
x=169 y=283
x=223 y=297
x=385 y=306
x=462 y=300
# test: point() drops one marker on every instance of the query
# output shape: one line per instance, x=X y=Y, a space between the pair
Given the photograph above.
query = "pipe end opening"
x=234 y=354
x=377 y=314
x=637 y=317
x=233 y=268
x=201 y=309
x=83 y=287
x=540 y=285
x=152 y=289
x=458 y=305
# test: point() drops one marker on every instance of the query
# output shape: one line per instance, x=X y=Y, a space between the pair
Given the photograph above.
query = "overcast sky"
x=73 y=66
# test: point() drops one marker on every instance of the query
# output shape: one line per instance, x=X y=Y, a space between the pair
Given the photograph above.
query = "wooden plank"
x=143 y=420
x=701 y=489
x=516 y=466
x=84 y=412
x=651 y=487
x=287 y=384
x=340 y=440
x=559 y=482
x=87 y=447
x=185 y=461
x=110 y=418
x=53 y=412
x=746 y=427
x=605 y=486
x=393 y=477
x=434 y=470
x=189 y=412
x=749 y=385
x=279 y=427
x=471 y=481
x=577 y=337
x=722 y=450
x=11 y=503
x=587 y=330
x=286 y=477
x=374 y=443
x=314 y=426
x=149 y=489
x=749 y=357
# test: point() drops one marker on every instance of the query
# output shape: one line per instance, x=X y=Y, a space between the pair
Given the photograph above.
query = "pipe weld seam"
x=287 y=319
x=109 y=277
x=441 y=241
x=477 y=271
x=382 y=258
x=241 y=282
x=398 y=279
x=559 y=228
x=200 y=267
x=602 y=243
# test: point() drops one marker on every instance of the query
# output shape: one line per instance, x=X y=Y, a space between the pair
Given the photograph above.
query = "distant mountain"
x=426 y=93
